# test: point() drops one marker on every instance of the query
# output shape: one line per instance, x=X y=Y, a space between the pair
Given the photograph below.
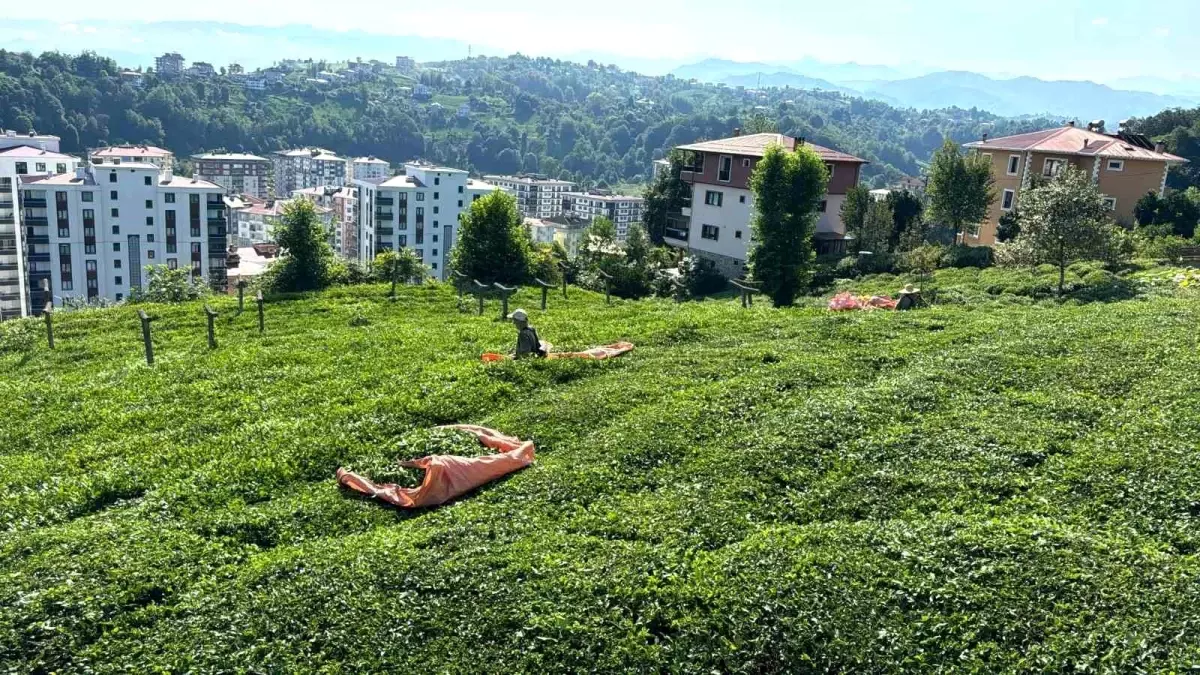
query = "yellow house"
x=1125 y=166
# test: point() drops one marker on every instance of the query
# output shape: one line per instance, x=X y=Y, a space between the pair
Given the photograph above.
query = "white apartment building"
x=22 y=241
x=238 y=173
x=256 y=223
x=169 y=64
x=136 y=154
x=114 y=219
x=342 y=203
x=307 y=167
x=370 y=168
x=622 y=210
x=537 y=196
x=418 y=211
x=11 y=139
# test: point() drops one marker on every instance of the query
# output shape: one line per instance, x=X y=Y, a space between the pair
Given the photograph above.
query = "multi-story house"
x=342 y=202
x=112 y=220
x=370 y=168
x=419 y=211
x=169 y=65
x=1124 y=166
x=537 y=196
x=622 y=210
x=256 y=223
x=405 y=64
x=238 y=173
x=235 y=69
x=11 y=139
x=201 y=69
x=23 y=241
x=305 y=168
x=136 y=154
x=716 y=225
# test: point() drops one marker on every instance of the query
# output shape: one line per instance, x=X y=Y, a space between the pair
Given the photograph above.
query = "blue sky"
x=1102 y=40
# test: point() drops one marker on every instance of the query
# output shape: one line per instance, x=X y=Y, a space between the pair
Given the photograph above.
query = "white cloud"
x=1100 y=21
x=69 y=28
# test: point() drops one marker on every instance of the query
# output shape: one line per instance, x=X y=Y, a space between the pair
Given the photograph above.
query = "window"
x=420 y=196
x=474 y=198
x=714 y=198
x=1006 y=203
x=435 y=251
x=117 y=280
x=169 y=197
x=149 y=239
x=150 y=220
x=117 y=264
x=120 y=296
x=149 y=203
x=60 y=168
x=830 y=168
x=435 y=209
x=403 y=238
x=40 y=167
x=746 y=163
x=1052 y=167
x=112 y=194
x=822 y=206
x=436 y=181
x=116 y=229
x=709 y=232
x=460 y=203
x=434 y=264
x=112 y=177
x=115 y=212
x=150 y=254
x=1110 y=203
x=172 y=263
x=435 y=236
x=1116 y=165
x=147 y=180
x=436 y=195
x=116 y=246
x=737 y=234
x=460 y=189
x=87 y=197
x=1014 y=164
x=725 y=168
x=22 y=168
x=742 y=199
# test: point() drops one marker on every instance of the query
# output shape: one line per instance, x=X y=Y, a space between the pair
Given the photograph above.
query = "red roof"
x=754 y=145
x=1071 y=140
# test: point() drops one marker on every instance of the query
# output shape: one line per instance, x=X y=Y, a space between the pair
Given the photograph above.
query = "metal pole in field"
x=49 y=324
x=212 y=336
x=545 y=291
x=146 y=336
x=505 y=291
x=563 y=267
x=259 y=300
x=607 y=287
x=460 y=281
x=480 y=289
x=241 y=286
x=747 y=290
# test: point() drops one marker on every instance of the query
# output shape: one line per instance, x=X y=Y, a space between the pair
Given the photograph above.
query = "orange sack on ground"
x=447 y=476
x=605 y=352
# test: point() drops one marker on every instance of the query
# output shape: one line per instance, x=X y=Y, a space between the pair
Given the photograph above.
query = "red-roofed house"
x=717 y=224
x=1124 y=166
x=137 y=154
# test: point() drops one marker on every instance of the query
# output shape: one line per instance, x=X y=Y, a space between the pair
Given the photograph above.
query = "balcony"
x=39 y=257
x=6 y=204
x=384 y=201
x=33 y=203
x=9 y=297
x=36 y=221
x=8 y=220
x=217 y=231
x=38 y=239
x=8 y=267
x=384 y=215
x=384 y=231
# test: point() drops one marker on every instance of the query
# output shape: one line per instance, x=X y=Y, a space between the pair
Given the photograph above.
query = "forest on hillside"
x=595 y=124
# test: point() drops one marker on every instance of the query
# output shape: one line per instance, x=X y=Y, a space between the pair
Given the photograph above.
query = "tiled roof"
x=754 y=145
x=30 y=151
x=1070 y=140
x=60 y=179
x=131 y=151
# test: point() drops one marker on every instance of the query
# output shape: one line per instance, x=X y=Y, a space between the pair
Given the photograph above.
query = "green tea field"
x=965 y=488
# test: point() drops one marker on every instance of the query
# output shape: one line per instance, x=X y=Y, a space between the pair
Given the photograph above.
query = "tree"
x=908 y=213
x=854 y=210
x=1177 y=214
x=876 y=231
x=637 y=244
x=493 y=242
x=402 y=265
x=961 y=189
x=164 y=284
x=758 y=123
x=1009 y=227
x=788 y=188
x=306 y=259
x=1064 y=220
x=665 y=197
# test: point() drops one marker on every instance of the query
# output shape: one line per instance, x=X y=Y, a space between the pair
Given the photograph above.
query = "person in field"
x=528 y=342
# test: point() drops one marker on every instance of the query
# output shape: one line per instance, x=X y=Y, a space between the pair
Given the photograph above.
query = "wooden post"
x=49 y=324
x=505 y=291
x=241 y=286
x=480 y=290
x=212 y=336
x=563 y=267
x=259 y=299
x=146 y=337
x=395 y=278
x=607 y=286
x=545 y=291
x=460 y=280
x=747 y=290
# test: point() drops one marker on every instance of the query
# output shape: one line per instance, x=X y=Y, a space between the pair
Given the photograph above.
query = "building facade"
x=716 y=224
x=24 y=241
x=537 y=196
x=11 y=139
x=622 y=210
x=370 y=168
x=256 y=222
x=169 y=65
x=113 y=220
x=1124 y=166
x=136 y=154
x=238 y=173
x=305 y=168
x=342 y=203
x=419 y=211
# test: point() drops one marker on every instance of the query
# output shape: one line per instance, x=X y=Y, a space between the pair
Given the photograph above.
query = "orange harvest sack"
x=447 y=476
x=605 y=352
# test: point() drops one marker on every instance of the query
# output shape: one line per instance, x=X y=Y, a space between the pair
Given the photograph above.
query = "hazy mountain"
x=783 y=80
x=720 y=70
x=1188 y=86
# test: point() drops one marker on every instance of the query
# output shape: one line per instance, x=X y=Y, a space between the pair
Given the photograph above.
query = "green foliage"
x=493 y=243
x=1179 y=129
x=1177 y=214
x=306 y=261
x=875 y=233
x=787 y=187
x=1064 y=220
x=854 y=210
x=699 y=277
x=908 y=213
x=960 y=188
x=169 y=285
x=403 y=265
x=1009 y=226
x=665 y=197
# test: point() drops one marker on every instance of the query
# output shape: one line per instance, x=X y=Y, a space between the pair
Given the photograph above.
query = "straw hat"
x=909 y=290
x=519 y=315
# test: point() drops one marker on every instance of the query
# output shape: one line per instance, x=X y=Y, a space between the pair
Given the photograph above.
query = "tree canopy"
x=960 y=188
x=1064 y=220
x=493 y=243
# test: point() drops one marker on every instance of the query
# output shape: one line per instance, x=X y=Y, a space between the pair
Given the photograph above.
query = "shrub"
x=700 y=276
x=968 y=256
x=164 y=284
x=923 y=259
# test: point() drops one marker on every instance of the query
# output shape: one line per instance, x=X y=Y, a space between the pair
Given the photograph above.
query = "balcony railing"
x=384 y=201
x=8 y=220
x=36 y=220
x=384 y=215
x=6 y=204
x=39 y=257
x=38 y=239
x=385 y=231
x=33 y=203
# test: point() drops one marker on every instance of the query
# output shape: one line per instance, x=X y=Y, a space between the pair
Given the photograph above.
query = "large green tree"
x=665 y=197
x=1064 y=220
x=961 y=188
x=493 y=242
x=788 y=188
x=854 y=209
x=307 y=259
x=876 y=231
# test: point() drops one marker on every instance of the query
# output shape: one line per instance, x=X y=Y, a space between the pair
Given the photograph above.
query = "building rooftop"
x=315 y=153
x=131 y=151
x=10 y=133
x=541 y=180
x=430 y=166
x=231 y=157
x=369 y=160
x=400 y=181
x=754 y=145
x=32 y=152
x=473 y=184
x=184 y=182
x=1072 y=140
x=606 y=197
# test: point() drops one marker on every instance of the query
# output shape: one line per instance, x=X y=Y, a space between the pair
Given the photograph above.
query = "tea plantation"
x=972 y=488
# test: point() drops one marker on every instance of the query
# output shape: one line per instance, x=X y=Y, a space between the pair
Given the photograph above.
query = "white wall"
x=831 y=220
x=731 y=217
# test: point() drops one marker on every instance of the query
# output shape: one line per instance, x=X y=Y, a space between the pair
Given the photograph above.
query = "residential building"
x=133 y=77
x=235 y=69
x=622 y=210
x=114 y=219
x=569 y=235
x=256 y=223
x=1124 y=166
x=716 y=225
x=405 y=64
x=418 y=210
x=137 y=154
x=305 y=168
x=201 y=69
x=169 y=65
x=23 y=241
x=343 y=204
x=238 y=173
x=537 y=196
x=11 y=139
x=370 y=168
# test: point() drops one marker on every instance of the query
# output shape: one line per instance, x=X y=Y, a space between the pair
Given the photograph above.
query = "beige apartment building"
x=1125 y=166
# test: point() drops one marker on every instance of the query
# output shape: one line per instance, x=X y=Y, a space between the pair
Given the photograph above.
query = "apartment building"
x=256 y=223
x=537 y=196
x=23 y=240
x=1124 y=166
x=622 y=210
x=405 y=64
x=716 y=225
x=201 y=69
x=305 y=168
x=418 y=210
x=342 y=203
x=169 y=65
x=238 y=173
x=134 y=154
x=370 y=168
x=11 y=139
x=114 y=219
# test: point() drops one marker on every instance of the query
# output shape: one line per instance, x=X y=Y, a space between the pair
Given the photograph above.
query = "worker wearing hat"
x=910 y=298
x=528 y=343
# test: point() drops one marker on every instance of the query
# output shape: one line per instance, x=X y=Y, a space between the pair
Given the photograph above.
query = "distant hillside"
x=784 y=80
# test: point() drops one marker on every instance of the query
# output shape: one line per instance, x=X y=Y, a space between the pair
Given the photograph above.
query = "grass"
x=964 y=488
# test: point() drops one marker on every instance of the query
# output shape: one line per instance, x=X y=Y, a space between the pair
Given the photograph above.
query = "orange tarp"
x=447 y=476
x=605 y=352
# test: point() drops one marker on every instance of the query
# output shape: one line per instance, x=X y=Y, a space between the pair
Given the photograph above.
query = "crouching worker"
x=528 y=343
